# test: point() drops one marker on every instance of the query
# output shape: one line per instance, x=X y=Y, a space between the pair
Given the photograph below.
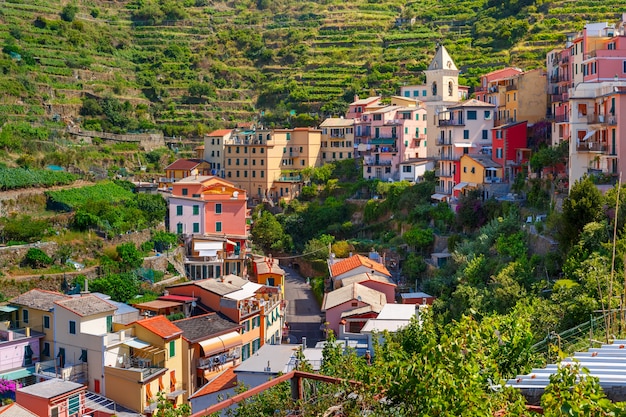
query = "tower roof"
x=442 y=60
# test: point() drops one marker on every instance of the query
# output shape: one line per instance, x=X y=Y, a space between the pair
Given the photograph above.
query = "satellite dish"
x=235 y=194
x=193 y=304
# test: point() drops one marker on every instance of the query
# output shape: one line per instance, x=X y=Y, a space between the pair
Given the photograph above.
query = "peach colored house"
x=355 y=298
x=268 y=272
x=53 y=398
x=183 y=168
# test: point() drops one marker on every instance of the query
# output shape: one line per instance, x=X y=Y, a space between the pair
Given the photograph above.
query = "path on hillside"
x=303 y=311
x=18 y=192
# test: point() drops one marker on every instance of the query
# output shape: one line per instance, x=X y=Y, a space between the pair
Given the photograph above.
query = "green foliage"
x=36 y=258
x=268 y=233
x=105 y=192
x=23 y=228
x=69 y=12
x=419 y=238
x=13 y=178
x=163 y=240
x=583 y=205
x=130 y=257
x=121 y=287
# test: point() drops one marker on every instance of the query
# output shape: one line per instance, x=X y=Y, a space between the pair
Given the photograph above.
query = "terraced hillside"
x=185 y=67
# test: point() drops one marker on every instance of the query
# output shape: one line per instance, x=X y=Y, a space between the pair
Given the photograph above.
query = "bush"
x=36 y=258
x=69 y=12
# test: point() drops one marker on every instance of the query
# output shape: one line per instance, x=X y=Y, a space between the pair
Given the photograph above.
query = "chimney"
x=303 y=342
x=356 y=97
x=27 y=331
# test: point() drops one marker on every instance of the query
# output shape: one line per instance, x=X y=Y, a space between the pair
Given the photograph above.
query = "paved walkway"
x=303 y=311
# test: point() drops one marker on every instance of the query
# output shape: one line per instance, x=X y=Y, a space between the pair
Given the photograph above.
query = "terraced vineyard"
x=186 y=67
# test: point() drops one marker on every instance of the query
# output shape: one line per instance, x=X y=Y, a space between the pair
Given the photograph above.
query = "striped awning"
x=221 y=343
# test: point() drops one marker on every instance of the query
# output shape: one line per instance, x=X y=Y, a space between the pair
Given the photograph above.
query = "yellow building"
x=36 y=311
x=337 y=140
x=478 y=171
x=269 y=273
x=267 y=163
x=183 y=168
x=152 y=364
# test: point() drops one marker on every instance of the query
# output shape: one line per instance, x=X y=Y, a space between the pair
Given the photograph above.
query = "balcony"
x=511 y=87
x=601 y=119
x=449 y=157
x=290 y=178
x=375 y=162
x=559 y=98
x=561 y=118
x=492 y=180
x=588 y=146
x=444 y=141
x=480 y=89
x=451 y=122
x=445 y=173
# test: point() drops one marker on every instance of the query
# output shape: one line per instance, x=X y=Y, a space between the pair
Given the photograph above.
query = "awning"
x=463 y=145
x=230 y=242
x=8 y=309
x=383 y=141
x=248 y=290
x=207 y=253
x=200 y=246
x=137 y=344
x=588 y=135
x=491 y=169
x=460 y=186
x=440 y=197
x=363 y=147
x=221 y=343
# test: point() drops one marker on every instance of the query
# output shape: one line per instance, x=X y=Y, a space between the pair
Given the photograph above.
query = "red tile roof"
x=180 y=298
x=356 y=261
x=226 y=380
x=184 y=164
x=160 y=326
x=220 y=132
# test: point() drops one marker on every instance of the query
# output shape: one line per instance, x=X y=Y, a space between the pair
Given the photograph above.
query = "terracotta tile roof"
x=356 y=261
x=38 y=299
x=472 y=103
x=267 y=266
x=158 y=304
x=485 y=161
x=179 y=298
x=353 y=292
x=203 y=327
x=184 y=164
x=226 y=380
x=160 y=326
x=87 y=305
x=220 y=132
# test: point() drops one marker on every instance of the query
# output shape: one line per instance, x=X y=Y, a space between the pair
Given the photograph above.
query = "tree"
x=163 y=240
x=129 y=256
x=121 y=287
x=268 y=233
x=201 y=89
x=419 y=238
x=582 y=206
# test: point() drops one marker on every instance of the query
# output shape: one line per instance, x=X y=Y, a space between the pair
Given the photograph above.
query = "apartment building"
x=337 y=140
x=462 y=129
x=212 y=214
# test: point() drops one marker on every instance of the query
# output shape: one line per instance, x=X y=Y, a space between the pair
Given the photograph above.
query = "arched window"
x=434 y=88
x=450 y=87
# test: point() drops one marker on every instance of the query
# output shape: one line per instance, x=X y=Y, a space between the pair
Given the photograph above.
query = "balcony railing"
x=492 y=180
x=511 y=87
x=561 y=118
x=294 y=178
x=591 y=147
x=601 y=119
x=449 y=157
x=480 y=89
x=445 y=173
x=559 y=98
x=374 y=162
x=451 y=122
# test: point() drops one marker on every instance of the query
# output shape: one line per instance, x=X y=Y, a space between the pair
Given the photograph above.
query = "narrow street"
x=303 y=312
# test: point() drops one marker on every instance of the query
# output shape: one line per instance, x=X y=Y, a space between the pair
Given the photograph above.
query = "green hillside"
x=185 y=67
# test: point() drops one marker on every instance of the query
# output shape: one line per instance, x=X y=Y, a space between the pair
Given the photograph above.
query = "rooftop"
x=269 y=359
x=365 y=276
x=415 y=295
x=51 y=388
x=220 y=132
x=205 y=326
x=157 y=304
x=337 y=122
x=184 y=164
x=485 y=161
x=39 y=299
x=87 y=305
x=15 y=410
x=160 y=326
x=356 y=261
x=353 y=292
x=266 y=266
x=224 y=381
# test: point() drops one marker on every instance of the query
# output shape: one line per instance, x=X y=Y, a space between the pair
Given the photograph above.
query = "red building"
x=508 y=146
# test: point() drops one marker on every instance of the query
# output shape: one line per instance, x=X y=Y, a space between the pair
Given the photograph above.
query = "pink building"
x=356 y=299
x=379 y=283
x=19 y=349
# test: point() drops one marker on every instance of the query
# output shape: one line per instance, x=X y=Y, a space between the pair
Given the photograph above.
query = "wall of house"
x=37 y=405
x=333 y=315
x=12 y=353
x=532 y=98
x=388 y=290
x=122 y=386
x=187 y=218
x=233 y=215
x=467 y=164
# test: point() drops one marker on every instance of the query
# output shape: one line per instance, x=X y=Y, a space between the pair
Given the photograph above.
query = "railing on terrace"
x=561 y=118
x=588 y=146
x=449 y=157
x=451 y=122
x=444 y=141
x=558 y=98
x=511 y=87
x=295 y=178
x=374 y=162
x=601 y=119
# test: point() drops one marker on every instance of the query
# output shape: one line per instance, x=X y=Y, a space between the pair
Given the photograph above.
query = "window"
x=407 y=94
x=72 y=327
x=256 y=345
x=499 y=153
x=46 y=349
x=179 y=228
x=498 y=134
x=473 y=170
x=471 y=115
x=73 y=405
x=218 y=226
x=185 y=191
x=237 y=161
x=28 y=355
x=83 y=355
x=378 y=117
x=424 y=117
x=246 y=327
x=172 y=348
x=465 y=134
x=196 y=210
x=179 y=210
x=46 y=322
x=196 y=227
x=465 y=170
x=218 y=208
x=237 y=149
x=288 y=136
x=245 y=352
x=406 y=168
x=624 y=67
x=245 y=174
x=253 y=174
x=237 y=174
x=54 y=412
x=485 y=134
x=487 y=115
x=25 y=316
x=110 y=324
x=262 y=173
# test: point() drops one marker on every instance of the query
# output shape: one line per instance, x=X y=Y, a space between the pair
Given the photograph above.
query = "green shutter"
x=172 y=348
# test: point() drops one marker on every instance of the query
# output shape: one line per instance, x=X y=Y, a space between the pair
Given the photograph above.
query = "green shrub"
x=36 y=258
